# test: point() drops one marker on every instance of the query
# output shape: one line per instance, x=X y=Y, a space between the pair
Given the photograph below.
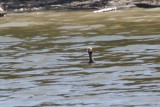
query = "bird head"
x=89 y=49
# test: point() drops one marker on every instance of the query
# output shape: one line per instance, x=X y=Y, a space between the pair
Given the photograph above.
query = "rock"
x=2 y=12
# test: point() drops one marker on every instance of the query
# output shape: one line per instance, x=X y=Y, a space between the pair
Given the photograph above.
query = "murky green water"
x=43 y=59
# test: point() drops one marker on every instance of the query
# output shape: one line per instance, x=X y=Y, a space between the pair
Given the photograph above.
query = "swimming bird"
x=91 y=60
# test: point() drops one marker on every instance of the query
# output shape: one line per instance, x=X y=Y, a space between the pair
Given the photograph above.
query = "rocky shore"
x=36 y=5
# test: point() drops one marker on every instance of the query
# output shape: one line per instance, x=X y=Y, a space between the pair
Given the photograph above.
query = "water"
x=43 y=59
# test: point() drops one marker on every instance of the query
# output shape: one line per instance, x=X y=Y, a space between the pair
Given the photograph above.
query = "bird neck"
x=91 y=60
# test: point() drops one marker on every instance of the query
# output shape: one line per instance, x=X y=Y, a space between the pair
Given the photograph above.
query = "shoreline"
x=31 y=6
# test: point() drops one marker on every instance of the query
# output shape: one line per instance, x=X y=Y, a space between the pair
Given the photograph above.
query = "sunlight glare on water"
x=44 y=59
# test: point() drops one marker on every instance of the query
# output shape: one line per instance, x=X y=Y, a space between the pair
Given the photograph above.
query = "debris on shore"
x=2 y=12
x=145 y=5
x=97 y=5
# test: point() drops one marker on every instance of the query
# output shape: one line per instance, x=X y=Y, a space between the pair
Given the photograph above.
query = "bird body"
x=91 y=60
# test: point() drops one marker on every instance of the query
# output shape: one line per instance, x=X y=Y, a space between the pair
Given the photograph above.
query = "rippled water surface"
x=43 y=59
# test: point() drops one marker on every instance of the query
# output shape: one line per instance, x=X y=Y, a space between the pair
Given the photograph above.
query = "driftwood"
x=145 y=5
x=108 y=9
x=139 y=5
x=105 y=10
